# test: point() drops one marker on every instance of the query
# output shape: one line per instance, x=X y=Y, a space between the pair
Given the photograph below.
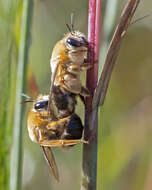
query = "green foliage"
x=16 y=152
x=10 y=14
x=7 y=87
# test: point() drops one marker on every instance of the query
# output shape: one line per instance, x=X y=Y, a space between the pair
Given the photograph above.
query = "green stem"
x=16 y=154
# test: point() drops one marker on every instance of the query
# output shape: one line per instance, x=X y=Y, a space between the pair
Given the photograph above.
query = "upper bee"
x=68 y=60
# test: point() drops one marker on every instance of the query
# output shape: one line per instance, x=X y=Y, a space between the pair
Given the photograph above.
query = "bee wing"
x=48 y=154
x=54 y=66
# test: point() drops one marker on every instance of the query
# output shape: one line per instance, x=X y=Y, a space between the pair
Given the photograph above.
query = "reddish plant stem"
x=97 y=31
x=91 y=74
x=93 y=54
x=91 y=120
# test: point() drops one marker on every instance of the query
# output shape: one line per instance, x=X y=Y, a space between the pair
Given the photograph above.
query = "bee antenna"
x=26 y=101
x=25 y=96
x=68 y=27
x=29 y=99
x=72 y=22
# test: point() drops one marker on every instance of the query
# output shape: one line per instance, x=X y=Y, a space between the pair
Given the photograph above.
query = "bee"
x=52 y=121
x=47 y=130
x=44 y=128
x=68 y=60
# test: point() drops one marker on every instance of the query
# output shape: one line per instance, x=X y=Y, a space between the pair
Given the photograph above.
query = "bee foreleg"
x=41 y=136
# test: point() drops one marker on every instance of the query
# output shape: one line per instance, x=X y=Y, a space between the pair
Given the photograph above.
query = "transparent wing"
x=48 y=154
x=54 y=68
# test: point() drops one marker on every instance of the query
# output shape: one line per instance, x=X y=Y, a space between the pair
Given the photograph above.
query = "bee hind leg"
x=84 y=92
x=82 y=98
x=73 y=142
x=61 y=143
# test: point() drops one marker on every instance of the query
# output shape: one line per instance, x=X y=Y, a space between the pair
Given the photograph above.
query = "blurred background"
x=125 y=120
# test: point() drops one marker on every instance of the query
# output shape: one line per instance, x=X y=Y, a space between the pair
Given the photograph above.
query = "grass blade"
x=16 y=155
x=113 y=51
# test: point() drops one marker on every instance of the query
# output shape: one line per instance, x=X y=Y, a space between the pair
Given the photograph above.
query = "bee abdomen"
x=75 y=128
x=64 y=101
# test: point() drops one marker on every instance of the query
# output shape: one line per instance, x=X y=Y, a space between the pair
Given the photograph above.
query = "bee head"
x=40 y=104
x=76 y=40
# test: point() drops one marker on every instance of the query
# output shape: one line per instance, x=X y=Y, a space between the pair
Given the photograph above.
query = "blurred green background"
x=125 y=128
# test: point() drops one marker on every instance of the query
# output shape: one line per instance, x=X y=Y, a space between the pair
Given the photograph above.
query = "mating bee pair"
x=52 y=121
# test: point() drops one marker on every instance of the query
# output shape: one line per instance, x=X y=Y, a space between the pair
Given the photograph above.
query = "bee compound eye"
x=41 y=105
x=74 y=42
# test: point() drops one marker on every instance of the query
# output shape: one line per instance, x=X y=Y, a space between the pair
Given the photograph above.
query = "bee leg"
x=82 y=98
x=84 y=92
x=64 y=86
x=74 y=69
x=72 y=88
x=41 y=136
x=58 y=123
x=73 y=142
x=85 y=66
x=61 y=143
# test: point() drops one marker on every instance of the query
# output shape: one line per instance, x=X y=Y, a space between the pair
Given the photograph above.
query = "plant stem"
x=90 y=132
x=16 y=154
x=113 y=51
x=108 y=27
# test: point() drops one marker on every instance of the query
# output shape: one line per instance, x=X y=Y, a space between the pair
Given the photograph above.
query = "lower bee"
x=47 y=130
x=43 y=128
